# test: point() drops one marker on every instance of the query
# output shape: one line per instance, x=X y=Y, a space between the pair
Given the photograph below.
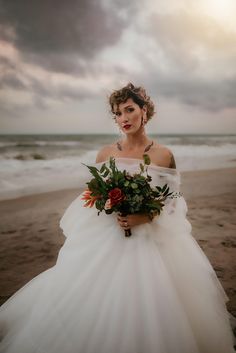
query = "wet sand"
x=30 y=236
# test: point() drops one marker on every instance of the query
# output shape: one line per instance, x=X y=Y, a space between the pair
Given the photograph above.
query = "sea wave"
x=23 y=177
x=29 y=144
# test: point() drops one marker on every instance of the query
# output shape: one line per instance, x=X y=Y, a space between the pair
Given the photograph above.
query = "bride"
x=153 y=292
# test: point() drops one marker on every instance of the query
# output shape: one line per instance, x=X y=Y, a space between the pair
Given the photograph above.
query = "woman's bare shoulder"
x=105 y=152
x=163 y=156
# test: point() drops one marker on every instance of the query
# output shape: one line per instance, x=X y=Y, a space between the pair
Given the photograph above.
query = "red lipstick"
x=127 y=126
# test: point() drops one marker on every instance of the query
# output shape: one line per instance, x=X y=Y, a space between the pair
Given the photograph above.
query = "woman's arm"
x=172 y=163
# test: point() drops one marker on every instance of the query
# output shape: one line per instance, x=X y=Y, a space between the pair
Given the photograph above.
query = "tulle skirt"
x=153 y=292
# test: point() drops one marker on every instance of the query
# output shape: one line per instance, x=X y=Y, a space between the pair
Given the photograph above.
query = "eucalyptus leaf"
x=146 y=159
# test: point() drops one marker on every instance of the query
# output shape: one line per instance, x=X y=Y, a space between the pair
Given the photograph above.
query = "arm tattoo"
x=172 y=162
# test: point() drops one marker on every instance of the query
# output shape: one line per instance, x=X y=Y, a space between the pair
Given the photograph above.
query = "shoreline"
x=31 y=238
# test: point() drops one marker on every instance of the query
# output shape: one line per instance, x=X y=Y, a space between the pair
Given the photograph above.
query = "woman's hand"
x=131 y=220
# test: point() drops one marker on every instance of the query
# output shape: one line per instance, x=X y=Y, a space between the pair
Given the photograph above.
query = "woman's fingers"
x=123 y=221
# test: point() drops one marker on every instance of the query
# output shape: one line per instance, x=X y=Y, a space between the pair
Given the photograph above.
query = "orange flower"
x=90 y=200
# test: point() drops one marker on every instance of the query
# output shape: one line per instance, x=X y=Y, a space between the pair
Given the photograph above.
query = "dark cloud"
x=56 y=34
x=65 y=63
x=42 y=90
x=65 y=37
x=60 y=37
x=6 y=30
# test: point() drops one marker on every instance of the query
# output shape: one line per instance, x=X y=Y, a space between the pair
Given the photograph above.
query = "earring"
x=144 y=119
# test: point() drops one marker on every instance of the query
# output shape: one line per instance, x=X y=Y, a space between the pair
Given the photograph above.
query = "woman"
x=153 y=292
x=132 y=109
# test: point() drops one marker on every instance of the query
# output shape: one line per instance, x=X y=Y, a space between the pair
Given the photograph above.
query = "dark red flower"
x=116 y=196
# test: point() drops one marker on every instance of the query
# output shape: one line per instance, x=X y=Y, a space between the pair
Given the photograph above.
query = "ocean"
x=36 y=163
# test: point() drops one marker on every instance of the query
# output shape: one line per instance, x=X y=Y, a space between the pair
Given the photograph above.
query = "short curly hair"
x=138 y=94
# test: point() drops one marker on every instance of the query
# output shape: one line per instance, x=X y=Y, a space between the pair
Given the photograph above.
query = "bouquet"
x=112 y=190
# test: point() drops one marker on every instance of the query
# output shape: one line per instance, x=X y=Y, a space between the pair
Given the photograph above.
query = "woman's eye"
x=129 y=110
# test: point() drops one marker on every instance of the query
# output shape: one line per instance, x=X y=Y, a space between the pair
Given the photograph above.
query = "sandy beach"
x=31 y=237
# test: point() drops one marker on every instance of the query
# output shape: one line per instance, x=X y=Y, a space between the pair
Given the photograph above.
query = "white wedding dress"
x=153 y=292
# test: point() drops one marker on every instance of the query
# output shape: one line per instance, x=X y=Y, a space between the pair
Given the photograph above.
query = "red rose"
x=116 y=196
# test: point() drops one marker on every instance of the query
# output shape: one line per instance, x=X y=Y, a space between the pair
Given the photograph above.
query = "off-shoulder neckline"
x=154 y=166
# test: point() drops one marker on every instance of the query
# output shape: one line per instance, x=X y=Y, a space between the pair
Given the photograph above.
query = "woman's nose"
x=124 y=118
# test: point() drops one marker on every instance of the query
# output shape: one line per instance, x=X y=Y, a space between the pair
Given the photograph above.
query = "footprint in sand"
x=231 y=291
x=9 y=231
x=228 y=243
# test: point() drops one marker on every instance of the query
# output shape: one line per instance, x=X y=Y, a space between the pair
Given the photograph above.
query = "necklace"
x=147 y=148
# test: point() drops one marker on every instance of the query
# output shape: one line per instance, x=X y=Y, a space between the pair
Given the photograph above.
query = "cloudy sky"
x=60 y=60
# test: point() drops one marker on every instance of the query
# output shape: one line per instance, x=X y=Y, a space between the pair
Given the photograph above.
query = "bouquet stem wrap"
x=127 y=231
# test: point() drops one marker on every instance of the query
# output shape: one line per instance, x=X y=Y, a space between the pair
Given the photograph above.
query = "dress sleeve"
x=172 y=203
x=174 y=213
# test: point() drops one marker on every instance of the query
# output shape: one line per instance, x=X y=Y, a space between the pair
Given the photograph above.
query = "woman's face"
x=128 y=116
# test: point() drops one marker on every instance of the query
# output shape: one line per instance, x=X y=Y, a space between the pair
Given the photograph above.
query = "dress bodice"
x=160 y=175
